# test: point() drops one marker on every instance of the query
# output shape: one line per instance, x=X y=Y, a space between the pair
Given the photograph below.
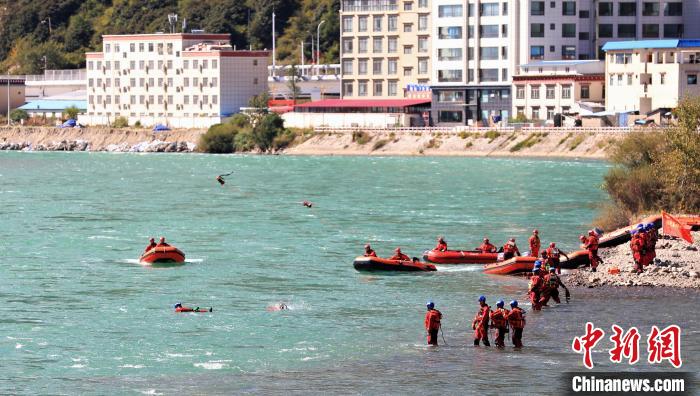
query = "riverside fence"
x=458 y=130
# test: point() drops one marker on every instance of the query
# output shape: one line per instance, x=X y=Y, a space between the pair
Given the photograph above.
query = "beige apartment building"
x=648 y=75
x=385 y=48
x=183 y=80
x=543 y=89
x=11 y=93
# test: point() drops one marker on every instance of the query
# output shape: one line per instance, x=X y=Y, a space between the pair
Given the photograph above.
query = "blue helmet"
x=178 y=305
x=649 y=226
x=640 y=226
x=430 y=305
x=633 y=231
x=482 y=298
x=536 y=270
x=500 y=303
x=514 y=303
x=538 y=263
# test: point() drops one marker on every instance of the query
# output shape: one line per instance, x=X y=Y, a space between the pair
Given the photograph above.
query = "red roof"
x=355 y=103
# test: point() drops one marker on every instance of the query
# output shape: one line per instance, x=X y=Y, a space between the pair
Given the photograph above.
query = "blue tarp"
x=70 y=123
x=160 y=127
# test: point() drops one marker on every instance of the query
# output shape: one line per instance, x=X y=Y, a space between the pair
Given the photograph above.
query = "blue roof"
x=644 y=44
x=54 y=105
x=573 y=62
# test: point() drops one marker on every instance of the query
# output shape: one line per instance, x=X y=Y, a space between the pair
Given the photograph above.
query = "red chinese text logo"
x=665 y=345
x=587 y=342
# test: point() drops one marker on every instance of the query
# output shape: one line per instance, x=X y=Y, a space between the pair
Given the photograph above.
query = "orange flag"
x=671 y=226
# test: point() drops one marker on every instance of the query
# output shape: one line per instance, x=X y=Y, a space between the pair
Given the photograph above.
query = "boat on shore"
x=364 y=263
x=461 y=257
x=163 y=254
x=513 y=265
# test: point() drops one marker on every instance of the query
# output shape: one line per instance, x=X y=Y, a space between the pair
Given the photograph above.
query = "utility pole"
x=8 y=100
x=301 y=53
x=49 y=20
x=318 y=42
x=274 y=48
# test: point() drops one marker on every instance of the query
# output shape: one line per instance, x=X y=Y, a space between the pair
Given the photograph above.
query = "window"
x=422 y=3
x=505 y=9
x=568 y=8
x=470 y=53
x=362 y=45
x=673 y=9
x=627 y=8
x=150 y=47
x=470 y=75
x=450 y=116
x=393 y=45
x=392 y=66
x=450 y=32
x=470 y=10
x=585 y=92
x=214 y=99
x=377 y=66
x=650 y=30
x=407 y=49
x=535 y=92
x=605 y=8
x=568 y=52
x=470 y=31
x=132 y=47
x=422 y=44
x=377 y=26
x=422 y=66
x=488 y=9
x=488 y=75
x=407 y=27
x=377 y=45
x=362 y=24
x=504 y=30
x=450 y=75
x=584 y=14
x=347 y=88
x=392 y=23
x=623 y=58
x=450 y=96
x=650 y=8
x=488 y=53
x=214 y=82
x=662 y=78
x=550 y=112
x=568 y=30
x=362 y=67
x=407 y=71
x=537 y=30
x=408 y=6
x=535 y=113
x=549 y=91
x=520 y=92
x=450 y=54
x=392 y=87
x=537 y=52
x=566 y=91
x=692 y=79
x=377 y=87
x=673 y=30
x=504 y=53
x=186 y=81
x=627 y=30
x=488 y=31
x=504 y=74
x=422 y=23
x=605 y=30
x=347 y=66
x=537 y=8
x=170 y=48
x=347 y=45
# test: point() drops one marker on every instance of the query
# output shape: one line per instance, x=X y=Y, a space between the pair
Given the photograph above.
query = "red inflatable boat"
x=163 y=254
x=511 y=266
x=461 y=257
x=363 y=263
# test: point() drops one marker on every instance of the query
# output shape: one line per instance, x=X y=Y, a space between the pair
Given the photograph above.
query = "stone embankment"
x=677 y=264
x=98 y=139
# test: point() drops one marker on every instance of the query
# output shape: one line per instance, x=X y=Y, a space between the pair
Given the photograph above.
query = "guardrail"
x=460 y=129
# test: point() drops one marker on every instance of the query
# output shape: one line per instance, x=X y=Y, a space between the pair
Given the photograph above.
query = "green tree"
x=266 y=130
x=260 y=107
x=292 y=76
x=78 y=34
x=71 y=112
x=18 y=115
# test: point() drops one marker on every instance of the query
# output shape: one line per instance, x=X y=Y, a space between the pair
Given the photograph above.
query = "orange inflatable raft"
x=363 y=263
x=511 y=266
x=461 y=257
x=163 y=254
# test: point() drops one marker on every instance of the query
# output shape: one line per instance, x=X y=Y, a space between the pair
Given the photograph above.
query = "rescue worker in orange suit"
x=481 y=323
x=510 y=249
x=432 y=323
x=499 y=320
x=534 y=244
x=652 y=238
x=552 y=256
x=369 y=252
x=399 y=256
x=516 y=320
x=592 y=246
x=535 y=287
x=162 y=243
x=638 y=250
x=551 y=288
x=487 y=247
x=151 y=245
x=441 y=245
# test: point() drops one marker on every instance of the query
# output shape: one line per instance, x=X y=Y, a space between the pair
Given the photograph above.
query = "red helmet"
x=397 y=250
x=511 y=240
x=591 y=232
x=535 y=231
x=162 y=239
x=552 y=245
x=581 y=237
x=486 y=240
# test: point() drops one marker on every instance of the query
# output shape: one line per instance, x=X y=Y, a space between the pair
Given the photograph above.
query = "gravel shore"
x=677 y=265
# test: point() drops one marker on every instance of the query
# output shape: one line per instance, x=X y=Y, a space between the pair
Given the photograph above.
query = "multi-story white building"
x=385 y=48
x=648 y=75
x=182 y=80
x=545 y=88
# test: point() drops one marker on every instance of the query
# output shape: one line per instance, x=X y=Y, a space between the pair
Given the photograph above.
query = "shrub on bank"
x=219 y=139
x=18 y=115
x=120 y=122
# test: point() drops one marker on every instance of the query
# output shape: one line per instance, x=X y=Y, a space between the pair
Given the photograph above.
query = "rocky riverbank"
x=677 y=264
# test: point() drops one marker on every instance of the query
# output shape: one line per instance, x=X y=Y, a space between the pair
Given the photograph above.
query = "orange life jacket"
x=482 y=317
x=516 y=318
x=487 y=248
x=553 y=253
x=552 y=281
x=432 y=319
x=498 y=317
x=592 y=243
x=534 y=244
x=441 y=246
x=371 y=253
x=535 y=284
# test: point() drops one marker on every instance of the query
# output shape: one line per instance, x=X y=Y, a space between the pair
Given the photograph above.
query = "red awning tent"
x=364 y=106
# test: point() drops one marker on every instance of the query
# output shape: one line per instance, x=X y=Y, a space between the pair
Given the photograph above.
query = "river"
x=81 y=315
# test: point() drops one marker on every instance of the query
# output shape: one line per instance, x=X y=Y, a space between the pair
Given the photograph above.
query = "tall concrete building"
x=183 y=80
x=385 y=48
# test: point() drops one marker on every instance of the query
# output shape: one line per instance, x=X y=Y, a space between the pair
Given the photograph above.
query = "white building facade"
x=182 y=80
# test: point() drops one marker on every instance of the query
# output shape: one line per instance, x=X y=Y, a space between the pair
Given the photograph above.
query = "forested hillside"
x=76 y=26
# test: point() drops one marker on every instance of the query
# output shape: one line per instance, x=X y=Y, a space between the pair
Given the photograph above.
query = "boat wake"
x=459 y=268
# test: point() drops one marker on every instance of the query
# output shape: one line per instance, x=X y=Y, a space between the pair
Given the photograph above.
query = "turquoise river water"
x=80 y=315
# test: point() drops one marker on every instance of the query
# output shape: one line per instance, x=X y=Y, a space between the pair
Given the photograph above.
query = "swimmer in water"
x=307 y=204
x=278 y=307
x=220 y=178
